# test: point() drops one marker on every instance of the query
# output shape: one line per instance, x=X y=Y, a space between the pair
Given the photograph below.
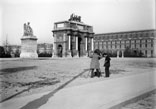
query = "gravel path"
x=20 y=77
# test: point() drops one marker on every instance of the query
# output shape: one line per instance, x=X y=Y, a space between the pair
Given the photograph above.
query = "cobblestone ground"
x=20 y=77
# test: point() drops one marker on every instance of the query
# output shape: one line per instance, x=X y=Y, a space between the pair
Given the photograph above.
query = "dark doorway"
x=59 y=50
x=80 y=46
x=120 y=54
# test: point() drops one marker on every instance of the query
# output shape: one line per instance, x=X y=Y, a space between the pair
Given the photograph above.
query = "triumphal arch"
x=72 y=38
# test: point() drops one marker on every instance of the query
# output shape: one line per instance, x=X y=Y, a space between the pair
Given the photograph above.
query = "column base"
x=86 y=55
x=54 y=55
x=69 y=55
x=76 y=56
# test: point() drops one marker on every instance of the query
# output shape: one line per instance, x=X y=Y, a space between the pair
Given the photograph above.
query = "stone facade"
x=143 y=41
x=72 y=38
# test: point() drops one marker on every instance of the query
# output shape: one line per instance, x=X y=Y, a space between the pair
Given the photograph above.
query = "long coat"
x=107 y=61
x=94 y=64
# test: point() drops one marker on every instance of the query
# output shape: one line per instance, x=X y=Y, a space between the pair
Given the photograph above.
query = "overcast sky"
x=104 y=15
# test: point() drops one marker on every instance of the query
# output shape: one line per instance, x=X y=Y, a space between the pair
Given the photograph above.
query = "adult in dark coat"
x=107 y=65
x=95 y=63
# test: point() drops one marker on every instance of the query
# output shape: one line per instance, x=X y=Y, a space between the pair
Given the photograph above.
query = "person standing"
x=95 y=64
x=107 y=65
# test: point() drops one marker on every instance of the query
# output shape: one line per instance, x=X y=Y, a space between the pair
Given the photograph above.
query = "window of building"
x=126 y=36
x=100 y=45
x=116 y=36
x=143 y=41
x=127 y=42
x=113 y=42
x=151 y=44
x=137 y=45
x=109 y=46
x=122 y=46
x=151 y=52
x=149 y=40
x=152 y=34
x=132 y=45
x=137 y=41
x=96 y=45
x=122 y=42
x=113 y=46
x=104 y=46
x=118 y=42
x=118 y=46
x=148 y=45
x=132 y=41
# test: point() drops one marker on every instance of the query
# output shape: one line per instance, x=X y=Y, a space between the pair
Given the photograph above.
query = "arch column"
x=86 y=48
x=54 y=54
x=76 y=37
x=64 y=45
x=92 y=44
x=122 y=53
x=118 y=52
x=69 y=46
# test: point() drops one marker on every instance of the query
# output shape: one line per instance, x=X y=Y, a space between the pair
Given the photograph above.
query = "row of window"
x=121 y=46
x=126 y=42
x=124 y=36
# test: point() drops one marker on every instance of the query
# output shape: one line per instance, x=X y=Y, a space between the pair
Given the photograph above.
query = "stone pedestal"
x=69 y=54
x=28 y=47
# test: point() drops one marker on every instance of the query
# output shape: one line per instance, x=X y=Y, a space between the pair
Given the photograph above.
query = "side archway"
x=59 y=50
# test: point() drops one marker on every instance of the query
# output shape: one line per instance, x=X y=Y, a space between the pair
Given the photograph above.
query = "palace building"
x=138 y=42
x=72 y=38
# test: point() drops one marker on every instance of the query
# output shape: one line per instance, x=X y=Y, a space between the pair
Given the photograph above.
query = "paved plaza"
x=59 y=79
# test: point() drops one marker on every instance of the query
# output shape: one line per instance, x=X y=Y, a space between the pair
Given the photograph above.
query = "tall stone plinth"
x=28 y=47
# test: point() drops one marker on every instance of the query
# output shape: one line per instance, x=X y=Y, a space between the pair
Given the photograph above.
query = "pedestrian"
x=107 y=65
x=95 y=64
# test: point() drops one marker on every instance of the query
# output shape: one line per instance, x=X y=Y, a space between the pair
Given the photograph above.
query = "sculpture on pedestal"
x=28 y=43
x=27 y=30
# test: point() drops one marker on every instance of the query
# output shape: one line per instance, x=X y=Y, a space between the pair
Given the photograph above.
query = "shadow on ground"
x=32 y=85
x=117 y=71
x=16 y=69
x=42 y=100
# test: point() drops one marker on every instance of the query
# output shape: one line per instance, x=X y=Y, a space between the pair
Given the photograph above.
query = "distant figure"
x=107 y=65
x=27 y=29
x=95 y=64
